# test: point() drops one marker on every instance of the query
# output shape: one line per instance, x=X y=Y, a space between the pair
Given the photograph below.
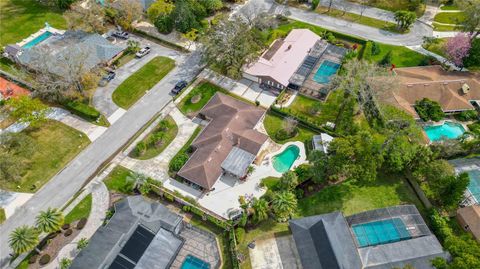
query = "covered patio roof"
x=237 y=162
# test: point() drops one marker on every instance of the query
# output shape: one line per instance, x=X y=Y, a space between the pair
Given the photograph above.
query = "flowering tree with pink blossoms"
x=457 y=48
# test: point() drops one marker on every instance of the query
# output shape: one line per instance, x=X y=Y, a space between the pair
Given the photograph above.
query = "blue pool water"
x=325 y=71
x=380 y=232
x=37 y=40
x=474 y=186
x=283 y=161
x=448 y=130
x=192 y=262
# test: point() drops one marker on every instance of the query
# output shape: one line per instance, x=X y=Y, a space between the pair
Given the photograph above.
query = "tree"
x=429 y=110
x=473 y=59
x=65 y=263
x=89 y=19
x=288 y=180
x=260 y=207
x=290 y=125
x=133 y=46
x=128 y=12
x=319 y=161
x=405 y=19
x=28 y=110
x=49 y=221
x=23 y=239
x=82 y=243
x=212 y=5
x=315 y=4
x=191 y=36
x=457 y=48
x=229 y=45
x=187 y=15
x=471 y=23
x=398 y=153
x=160 y=8
x=284 y=205
x=135 y=180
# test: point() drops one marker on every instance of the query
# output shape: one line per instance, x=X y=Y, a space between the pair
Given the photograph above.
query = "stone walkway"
x=100 y=203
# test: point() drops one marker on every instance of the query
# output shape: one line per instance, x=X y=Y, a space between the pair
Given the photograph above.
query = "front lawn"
x=449 y=7
x=437 y=46
x=156 y=141
x=135 y=86
x=199 y=97
x=445 y=28
x=450 y=17
x=21 y=18
x=394 y=5
x=55 y=145
x=2 y=215
x=401 y=56
x=117 y=181
x=81 y=210
x=273 y=123
x=352 y=197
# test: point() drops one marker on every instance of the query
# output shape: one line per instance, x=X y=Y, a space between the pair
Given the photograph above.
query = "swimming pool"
x=325 y=71
x=474 y=185
x=448 y=130
x=37 y=40
x=283 y=161
x=192 y=262
x=380 y=232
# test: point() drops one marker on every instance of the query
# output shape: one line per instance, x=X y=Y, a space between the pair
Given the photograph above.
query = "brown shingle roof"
x=231 y=124
x=436 y=84
x=470 y=216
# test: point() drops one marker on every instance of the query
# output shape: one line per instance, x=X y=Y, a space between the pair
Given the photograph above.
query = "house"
x=228 y=144
x=140 y=234
x=289 y=62
x=9 y=89
x=59 y=50
x=455 y=91
x=321 y=142
x=378 y=239
x=469 y=218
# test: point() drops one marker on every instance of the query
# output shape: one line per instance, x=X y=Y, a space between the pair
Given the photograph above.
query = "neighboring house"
x=469 y=219
x=9 y=89
x=61 y=52
x=321 y=142
x=289 y=62
x=228 y=144
x=146 y=234
x=455 y=91
x=377 y=239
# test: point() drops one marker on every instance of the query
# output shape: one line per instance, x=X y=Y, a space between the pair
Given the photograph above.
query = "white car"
x=143 y=52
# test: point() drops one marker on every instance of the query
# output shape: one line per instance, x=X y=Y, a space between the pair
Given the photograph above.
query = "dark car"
x=142 y=52
x=120 y=34
x=179 y=87
x=107 y=78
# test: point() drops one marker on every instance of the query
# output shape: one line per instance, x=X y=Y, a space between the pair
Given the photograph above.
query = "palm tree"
x=260 y=207
x=284 y=205
x=50 y=220
x=23 y=239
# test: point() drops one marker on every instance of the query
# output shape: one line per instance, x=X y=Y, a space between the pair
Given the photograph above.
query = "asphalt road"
x=70 y=180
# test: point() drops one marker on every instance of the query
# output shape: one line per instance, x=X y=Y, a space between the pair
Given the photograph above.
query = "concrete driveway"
x=275 y=253
x=102 y=98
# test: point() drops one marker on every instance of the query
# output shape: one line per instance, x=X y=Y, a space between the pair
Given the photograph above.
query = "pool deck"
x=439 y=123
x=466 y=165
x=39 y=33
x=301 y=159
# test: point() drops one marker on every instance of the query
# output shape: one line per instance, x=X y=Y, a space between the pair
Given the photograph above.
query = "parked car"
x=120 y=34
x=107 y=78
x=142 y=52
x=179 y=87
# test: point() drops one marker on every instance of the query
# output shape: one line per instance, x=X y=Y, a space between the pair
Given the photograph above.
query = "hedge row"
x=83 y=110
x=304 y=121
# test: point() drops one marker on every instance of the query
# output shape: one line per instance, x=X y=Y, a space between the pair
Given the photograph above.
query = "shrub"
x=81 y=223
x=281 y=134
x=164 y=24
x=240 y=234
x=299 y=193
x=186 y=208
x=33 y=259
x=68 y=232
x=44 y=259
x=331 y=38
x=387 y=59
x=65 y=226
x=82 y=110
x=197 y=211
x=467 y=115
x=169 y=197
x=304 y=172
x=315 y=4
x=375 y=48
x=178 y=161
x=140 y=148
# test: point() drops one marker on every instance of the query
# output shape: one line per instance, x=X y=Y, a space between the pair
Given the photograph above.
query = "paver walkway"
x=100 y=203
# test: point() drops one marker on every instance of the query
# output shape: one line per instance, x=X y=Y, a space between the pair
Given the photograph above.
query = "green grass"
x=401 y=56
x=9 y=67
x=450 y=17
x=393 y=5
x=153 y=150
x=21 y=18
x=352 y=197
x=135 y=86
x=81 y=210
x=449 y=7
x=116 y=181
x=2 y=215
x=221 y=237
x=124 y=59
x=55 y=145
x=437 y=46
x=273 y=123
x=445 y=28
x=352 y=17
x=184 y=148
